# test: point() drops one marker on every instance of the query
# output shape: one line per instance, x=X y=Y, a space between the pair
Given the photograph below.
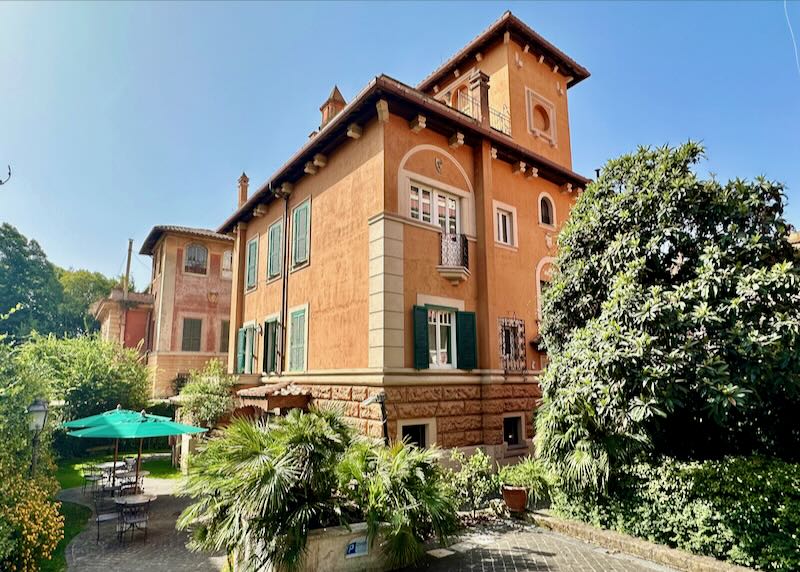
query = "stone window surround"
x=430 y=428
x=500 y=206
x=304 y=308
x=532 y=98
x=542 y=195
x=523 y=435
x=254 y=354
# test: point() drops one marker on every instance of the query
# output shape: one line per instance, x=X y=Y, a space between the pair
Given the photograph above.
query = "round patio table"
x=133 y=500
x=126 y=474
x=110 y=465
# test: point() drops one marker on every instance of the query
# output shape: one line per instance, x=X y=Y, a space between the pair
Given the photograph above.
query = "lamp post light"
x=38 y=416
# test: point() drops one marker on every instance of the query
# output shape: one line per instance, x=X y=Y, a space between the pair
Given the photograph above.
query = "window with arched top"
x=196 y=260
x=546 y=211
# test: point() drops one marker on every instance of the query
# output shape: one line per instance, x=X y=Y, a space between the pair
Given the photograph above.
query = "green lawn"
x=69 y=472
x=75 y=518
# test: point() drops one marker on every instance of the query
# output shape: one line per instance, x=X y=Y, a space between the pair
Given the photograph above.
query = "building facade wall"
x=335 y=284
x=371 y=263
x=179 y=294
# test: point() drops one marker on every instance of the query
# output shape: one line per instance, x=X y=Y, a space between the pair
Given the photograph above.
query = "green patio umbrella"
x=142 y=428
x=111 y=417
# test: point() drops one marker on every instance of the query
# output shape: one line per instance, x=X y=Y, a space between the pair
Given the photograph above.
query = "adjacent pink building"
x=191 y=290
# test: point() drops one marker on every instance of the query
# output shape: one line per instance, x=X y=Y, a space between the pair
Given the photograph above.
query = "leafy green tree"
x=27 y=278
x=672 y=323
x=81 y=289
x=91 y=375
x=208 y=395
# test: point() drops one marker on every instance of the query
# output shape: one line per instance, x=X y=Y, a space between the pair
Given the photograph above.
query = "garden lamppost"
x=38 y=416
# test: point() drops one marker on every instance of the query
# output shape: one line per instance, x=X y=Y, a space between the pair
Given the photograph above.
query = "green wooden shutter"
x=466 y=343
x=252 y=259
x=241 y=342
x=275 y=248
x=421 y=349
x=300 y=236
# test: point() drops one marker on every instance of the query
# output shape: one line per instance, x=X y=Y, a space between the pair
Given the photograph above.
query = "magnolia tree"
x=672 y=322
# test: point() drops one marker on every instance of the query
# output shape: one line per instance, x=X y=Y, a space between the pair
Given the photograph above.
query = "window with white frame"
x=441 y=337
x=196 y=261
x=437 y=207
x=227 y=262
x=505 y=227
x=301 y=234
x=275 y=250
x=297 y=339
x=546 y=211
x=541 y=116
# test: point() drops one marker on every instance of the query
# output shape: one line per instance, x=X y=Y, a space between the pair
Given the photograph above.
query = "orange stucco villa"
x=401 y=253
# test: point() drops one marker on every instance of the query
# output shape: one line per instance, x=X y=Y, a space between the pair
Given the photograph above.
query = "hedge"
x=743 y=510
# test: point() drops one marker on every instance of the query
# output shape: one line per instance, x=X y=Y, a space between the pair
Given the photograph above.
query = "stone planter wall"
x=327 y=548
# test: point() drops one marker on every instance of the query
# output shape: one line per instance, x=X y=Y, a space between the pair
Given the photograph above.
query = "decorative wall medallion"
x=438 y=163
x=213 y=297
x=548 y=239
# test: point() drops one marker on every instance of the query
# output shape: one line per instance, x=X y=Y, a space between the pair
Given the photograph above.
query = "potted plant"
x=525 y=480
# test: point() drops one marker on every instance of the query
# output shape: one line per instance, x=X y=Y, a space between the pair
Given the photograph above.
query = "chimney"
x=243 y=181
x=332 y=106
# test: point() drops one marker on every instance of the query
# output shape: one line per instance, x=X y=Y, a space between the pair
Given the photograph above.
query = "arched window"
x=196 y=261
x=546 y=214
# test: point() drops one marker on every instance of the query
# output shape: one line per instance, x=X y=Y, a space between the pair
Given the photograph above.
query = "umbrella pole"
x=139 y=462
x=114 y=468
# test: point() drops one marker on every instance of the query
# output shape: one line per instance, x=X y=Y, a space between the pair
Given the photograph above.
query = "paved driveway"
x=165 y=548
x=511 y=546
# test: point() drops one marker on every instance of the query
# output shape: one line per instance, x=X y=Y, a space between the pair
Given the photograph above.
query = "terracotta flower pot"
x=516 y=498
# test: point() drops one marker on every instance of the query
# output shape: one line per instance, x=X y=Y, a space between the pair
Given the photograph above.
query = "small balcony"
x=455 y=258
x=498 y=120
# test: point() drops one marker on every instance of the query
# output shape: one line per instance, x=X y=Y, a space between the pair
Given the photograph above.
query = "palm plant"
x=402 y=493
x=260 y=487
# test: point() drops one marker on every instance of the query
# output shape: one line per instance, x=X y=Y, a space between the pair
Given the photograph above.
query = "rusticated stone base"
x=466 y=416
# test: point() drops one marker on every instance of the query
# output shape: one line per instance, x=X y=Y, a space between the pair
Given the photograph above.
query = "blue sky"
x=117 y=117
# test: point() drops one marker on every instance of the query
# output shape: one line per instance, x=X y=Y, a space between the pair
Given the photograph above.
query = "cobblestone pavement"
x=165 y=547
x=512 y=546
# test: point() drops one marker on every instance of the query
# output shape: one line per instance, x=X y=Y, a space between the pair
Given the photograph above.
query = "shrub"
x=529 y=473
x=91 y=375
x=475 y=480
x=207 y=395
x=745 y=510
x=30 y=523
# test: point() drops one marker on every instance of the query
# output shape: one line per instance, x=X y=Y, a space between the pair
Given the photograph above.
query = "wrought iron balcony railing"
x=499 y=120
x=455 y=250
